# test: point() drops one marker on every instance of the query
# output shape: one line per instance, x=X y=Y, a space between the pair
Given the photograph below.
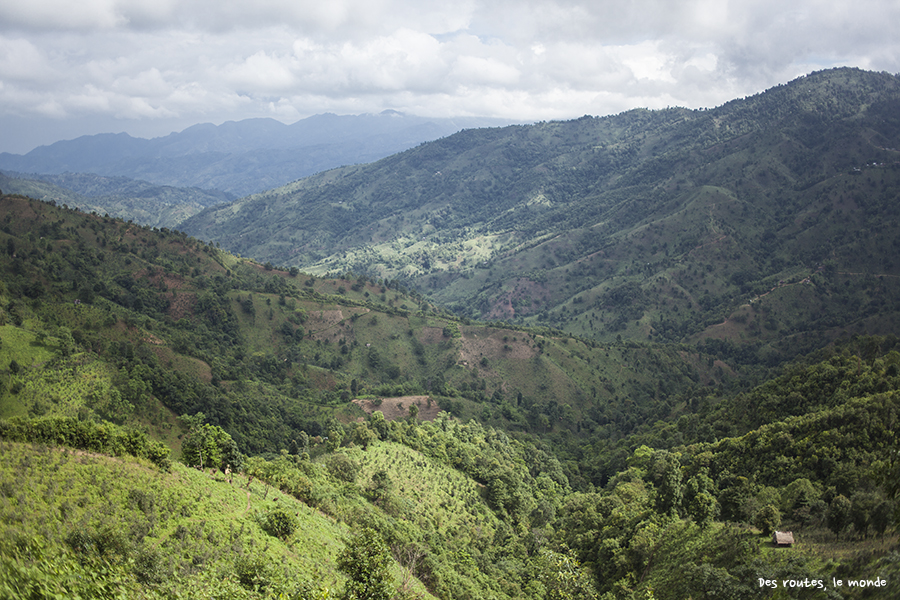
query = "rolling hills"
x=558 y=465
x=752 y=223
x=202 y=327
x=179 y=421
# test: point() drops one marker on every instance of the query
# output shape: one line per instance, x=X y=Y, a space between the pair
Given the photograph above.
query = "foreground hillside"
x=755 y=224
x=77 y=524
x=468 y=511
x=466 y=461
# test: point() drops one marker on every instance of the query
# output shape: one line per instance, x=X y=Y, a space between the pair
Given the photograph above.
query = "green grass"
x=21 y=345
x=160 y=533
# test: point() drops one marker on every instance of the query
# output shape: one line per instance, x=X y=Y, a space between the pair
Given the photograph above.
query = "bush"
x=342 y=467
x=279 y=523
x=365 y=560
x=251 y=573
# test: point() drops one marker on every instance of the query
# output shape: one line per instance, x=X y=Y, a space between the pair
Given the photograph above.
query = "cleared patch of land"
x=398 y=407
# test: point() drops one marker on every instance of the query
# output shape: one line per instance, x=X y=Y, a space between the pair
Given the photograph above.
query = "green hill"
x=92 y=526
x=128 y=199
x=649 y=224
x=456 y=458
x=110 y=319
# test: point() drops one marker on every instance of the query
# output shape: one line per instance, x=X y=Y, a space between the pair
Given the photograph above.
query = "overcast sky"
x=150 y=67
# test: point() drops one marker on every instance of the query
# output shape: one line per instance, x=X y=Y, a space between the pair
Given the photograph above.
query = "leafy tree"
x=564 y=578
x=838 y=516
x=366 y=561
x=862 y=505
x=379 y=424
x=210 y=446
x=767 y=519
x=381 y=487
x=704 y=509
x=665 y=473
x=882 y=516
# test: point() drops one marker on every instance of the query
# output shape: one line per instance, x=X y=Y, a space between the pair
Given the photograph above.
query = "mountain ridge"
x=605 y=226
x=216 y=156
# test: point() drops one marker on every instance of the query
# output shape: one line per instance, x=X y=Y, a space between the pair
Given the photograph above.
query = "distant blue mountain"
x=242 y=157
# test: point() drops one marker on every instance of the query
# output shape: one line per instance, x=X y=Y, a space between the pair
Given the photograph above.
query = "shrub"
x=251 y=573
x=279 y=523
x=365 y=560
x=342 y=467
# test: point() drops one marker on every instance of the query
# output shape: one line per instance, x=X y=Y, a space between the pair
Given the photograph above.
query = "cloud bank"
x=151 y=66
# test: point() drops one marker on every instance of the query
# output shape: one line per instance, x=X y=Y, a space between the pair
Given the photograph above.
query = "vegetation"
x=177 y=421
x=754 y=225
x=128 y=199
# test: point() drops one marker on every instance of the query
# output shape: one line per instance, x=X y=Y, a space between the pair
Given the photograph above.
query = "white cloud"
x=168 y=61
x=22 y=61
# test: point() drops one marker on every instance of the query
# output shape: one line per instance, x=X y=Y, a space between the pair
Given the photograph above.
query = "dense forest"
x=177 y=421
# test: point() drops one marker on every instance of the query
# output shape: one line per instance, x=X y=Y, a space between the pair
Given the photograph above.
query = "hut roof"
x=783 y=538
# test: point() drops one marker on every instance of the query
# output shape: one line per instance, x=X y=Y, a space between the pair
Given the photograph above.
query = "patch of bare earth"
x=181 y=305
x=477 y=343
x=431 y=335
x=534 y=294
x=398 y=407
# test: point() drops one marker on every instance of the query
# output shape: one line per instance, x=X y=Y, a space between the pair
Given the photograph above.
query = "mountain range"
x=754 y=222
x=241 y=157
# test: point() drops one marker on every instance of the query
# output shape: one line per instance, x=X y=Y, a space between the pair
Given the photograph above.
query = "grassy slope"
x=210 y=326
x=184 y=531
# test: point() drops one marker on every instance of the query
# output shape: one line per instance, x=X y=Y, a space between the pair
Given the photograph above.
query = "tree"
x=882 y=517
x=862 y=505
x=767 y=519
x=701 y=505
x=209 y=446
x=379 y=424
x=838 y=516
x=563 y=577
x=704 y=509
x=381 y=487
x=665 y=473
x=366 y=560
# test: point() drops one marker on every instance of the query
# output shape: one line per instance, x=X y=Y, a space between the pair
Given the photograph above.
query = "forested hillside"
x=339 y=423
x=754 y=225
x=175 y=325
x=131 y=200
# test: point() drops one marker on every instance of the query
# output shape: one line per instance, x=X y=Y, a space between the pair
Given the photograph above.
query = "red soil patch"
x=398 y=408
x=431 y=335
x=535 y=294
x=182 y=305
x=478 y=342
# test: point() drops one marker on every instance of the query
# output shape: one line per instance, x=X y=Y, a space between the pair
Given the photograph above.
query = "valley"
x=601 y=358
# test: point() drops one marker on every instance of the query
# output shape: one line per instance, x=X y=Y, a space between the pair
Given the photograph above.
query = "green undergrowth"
x=87 y=525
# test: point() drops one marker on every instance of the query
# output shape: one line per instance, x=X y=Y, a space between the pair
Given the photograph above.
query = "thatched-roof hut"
x=783 y=539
